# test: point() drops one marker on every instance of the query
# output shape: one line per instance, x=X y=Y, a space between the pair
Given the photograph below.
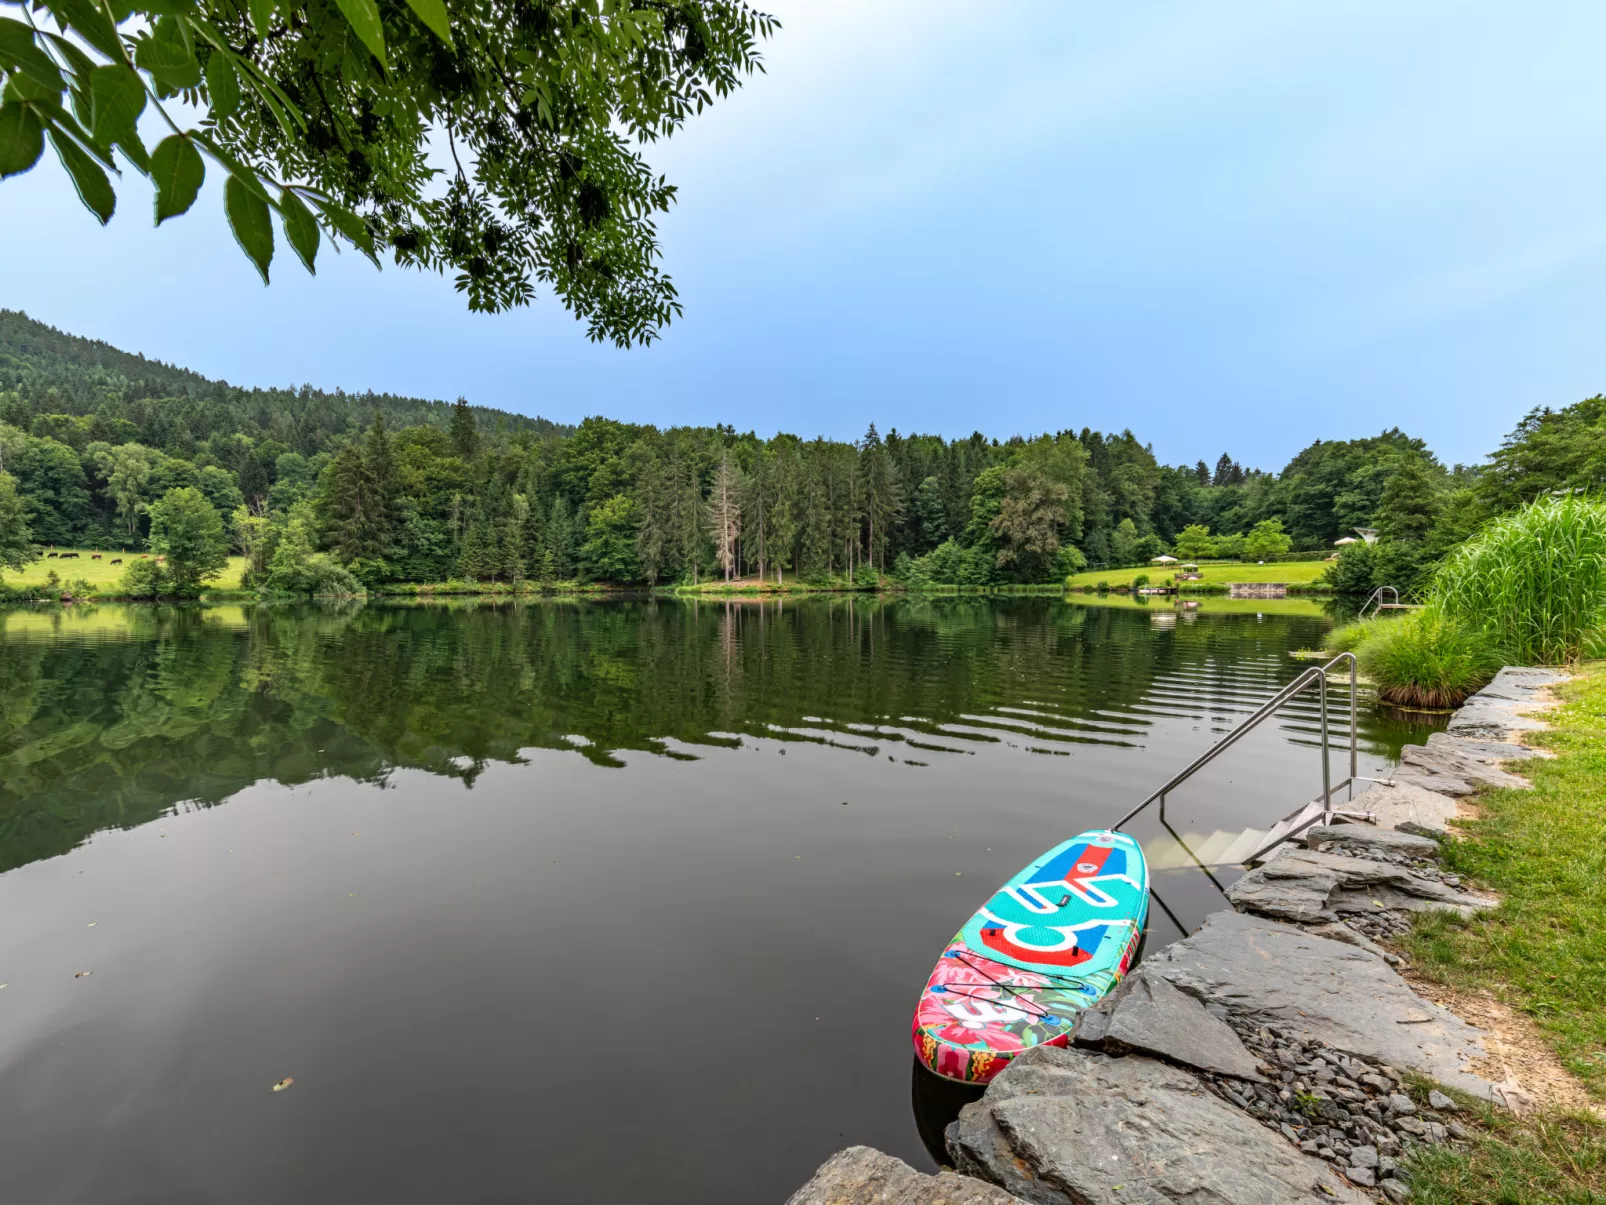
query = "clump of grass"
x=1428 y=659
x=1346 y=638
x=1535 y=577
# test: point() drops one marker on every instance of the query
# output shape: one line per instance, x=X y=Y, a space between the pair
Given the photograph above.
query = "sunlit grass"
x=103 y=576
x=1294 y=573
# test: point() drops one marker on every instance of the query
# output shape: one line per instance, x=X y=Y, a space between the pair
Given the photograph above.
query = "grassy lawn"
x=102 y=575
x=1542 y=951
x=1293 y=573
x=1209 y=604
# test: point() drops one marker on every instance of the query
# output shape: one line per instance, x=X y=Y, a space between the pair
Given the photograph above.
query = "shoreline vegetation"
x=337 y=494
x=92 y=575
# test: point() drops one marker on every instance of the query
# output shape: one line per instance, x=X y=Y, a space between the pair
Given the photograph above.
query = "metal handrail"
x=1376 y=596
x=1315 y=676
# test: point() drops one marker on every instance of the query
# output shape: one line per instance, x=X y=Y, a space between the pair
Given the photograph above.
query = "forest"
x=334 y=492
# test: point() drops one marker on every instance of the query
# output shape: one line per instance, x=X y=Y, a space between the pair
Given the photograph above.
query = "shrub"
x=1353 y=572
x=1428 y=658
x=144 y=579
x=1103 y=587
x=1535 y=577
x=1140 y=581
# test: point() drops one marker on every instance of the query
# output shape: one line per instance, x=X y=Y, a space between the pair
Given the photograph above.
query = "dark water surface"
x=573 y=902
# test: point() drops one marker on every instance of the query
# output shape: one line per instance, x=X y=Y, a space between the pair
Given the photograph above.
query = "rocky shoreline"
x=1268 y=1056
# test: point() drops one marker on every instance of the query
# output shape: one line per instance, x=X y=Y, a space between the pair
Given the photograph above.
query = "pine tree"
x=653 y=534
x=687 y=518
x=561 y=539
x=465 y=433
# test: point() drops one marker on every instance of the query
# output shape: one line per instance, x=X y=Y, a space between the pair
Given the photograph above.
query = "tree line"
x=331 y=492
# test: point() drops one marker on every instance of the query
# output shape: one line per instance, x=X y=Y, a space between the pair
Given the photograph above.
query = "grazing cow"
x=116 y=560
x=51 y=554
x=69 y=556
x=144 y=556
x=95 y=557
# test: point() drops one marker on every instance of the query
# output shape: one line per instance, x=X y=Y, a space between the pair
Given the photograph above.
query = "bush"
x=1140 y=581
x=1428 y=659
x=1353 y=572
x=1535 y=577
x=144 y=579
x=1103 y=587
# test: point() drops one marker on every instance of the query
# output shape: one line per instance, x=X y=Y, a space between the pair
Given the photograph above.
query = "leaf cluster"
x=328 y=112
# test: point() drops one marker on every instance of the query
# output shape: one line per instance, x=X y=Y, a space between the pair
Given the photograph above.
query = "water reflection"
x=110 y=716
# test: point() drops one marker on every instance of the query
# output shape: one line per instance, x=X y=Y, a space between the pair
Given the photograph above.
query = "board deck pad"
x=1050 y=942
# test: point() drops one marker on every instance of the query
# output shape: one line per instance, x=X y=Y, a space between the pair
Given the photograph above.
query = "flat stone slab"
x=1400 y=803
x=1066 y=1127
x=1266 y=973
x=1493 y=719
x=1520 y=682
x=1148 y=1014
x=1312 y=887
x=862 y=1175
x=1493 y=752
x=1455 y=771
x=1380 y=840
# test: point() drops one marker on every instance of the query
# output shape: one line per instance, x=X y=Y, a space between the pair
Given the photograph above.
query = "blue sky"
x=1228 y=227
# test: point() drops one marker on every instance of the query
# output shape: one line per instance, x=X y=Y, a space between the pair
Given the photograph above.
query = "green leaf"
x=364 y=18
x=248 y=217
x=262 y=16
x=169 y=61
x=177 y=172
x=222 y=85
x=300 y=227
x=22 y=138
x=89 y=19
x=21 y=55
x=117 y=98
x=350 y=225
x=94 y=189
x=433 y=14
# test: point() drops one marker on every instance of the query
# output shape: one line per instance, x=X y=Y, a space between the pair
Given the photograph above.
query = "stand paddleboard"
x=1050 y=942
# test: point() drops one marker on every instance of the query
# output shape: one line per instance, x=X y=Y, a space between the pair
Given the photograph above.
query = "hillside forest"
x=332 y=492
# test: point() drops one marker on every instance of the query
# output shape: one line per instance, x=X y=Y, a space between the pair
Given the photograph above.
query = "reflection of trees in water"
x=112 y=732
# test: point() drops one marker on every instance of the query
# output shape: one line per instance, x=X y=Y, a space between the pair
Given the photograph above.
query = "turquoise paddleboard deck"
x=1050 y=942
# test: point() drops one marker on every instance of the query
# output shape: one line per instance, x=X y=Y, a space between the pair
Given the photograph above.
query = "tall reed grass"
x=1535 y=578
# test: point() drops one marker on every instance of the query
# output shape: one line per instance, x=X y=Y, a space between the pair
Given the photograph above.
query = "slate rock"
x=1484 y=750
x=862 y=1175
x=1380 y=840
x=1444 y=1104
x=1397 y=803
x=1446 y=768
x=1363 y=1156
x=1146 y=1013
x=1489 y=718
x=1309 y=886
x=1062 y=1126
x=1396 y=1192
x=1315 y=989
x=1520 y=682
x=1363 y=1176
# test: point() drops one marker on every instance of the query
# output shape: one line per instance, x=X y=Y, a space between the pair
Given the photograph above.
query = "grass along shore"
x=1542 y=952
x=1293 y=573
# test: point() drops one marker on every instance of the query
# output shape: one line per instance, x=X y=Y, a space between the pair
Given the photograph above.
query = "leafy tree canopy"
x=325 y=114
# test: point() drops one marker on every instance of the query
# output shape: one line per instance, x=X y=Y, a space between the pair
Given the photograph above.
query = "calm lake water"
x=608 y=901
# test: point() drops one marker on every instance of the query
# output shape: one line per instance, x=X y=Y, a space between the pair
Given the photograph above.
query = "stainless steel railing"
x=1316 y=677
x=1375 y=598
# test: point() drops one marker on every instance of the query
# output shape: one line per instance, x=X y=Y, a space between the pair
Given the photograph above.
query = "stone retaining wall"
x=1259 y=1060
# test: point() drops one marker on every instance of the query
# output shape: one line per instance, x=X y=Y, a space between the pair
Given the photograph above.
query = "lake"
x=581 y=901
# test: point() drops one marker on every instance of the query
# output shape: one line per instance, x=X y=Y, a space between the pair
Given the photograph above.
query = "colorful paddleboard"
x=1050 y=942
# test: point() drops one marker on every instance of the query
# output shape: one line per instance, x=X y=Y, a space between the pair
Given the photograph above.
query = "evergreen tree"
x=1410 y=503
x=653 y=533
x=560 y=539
x=465 y=433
